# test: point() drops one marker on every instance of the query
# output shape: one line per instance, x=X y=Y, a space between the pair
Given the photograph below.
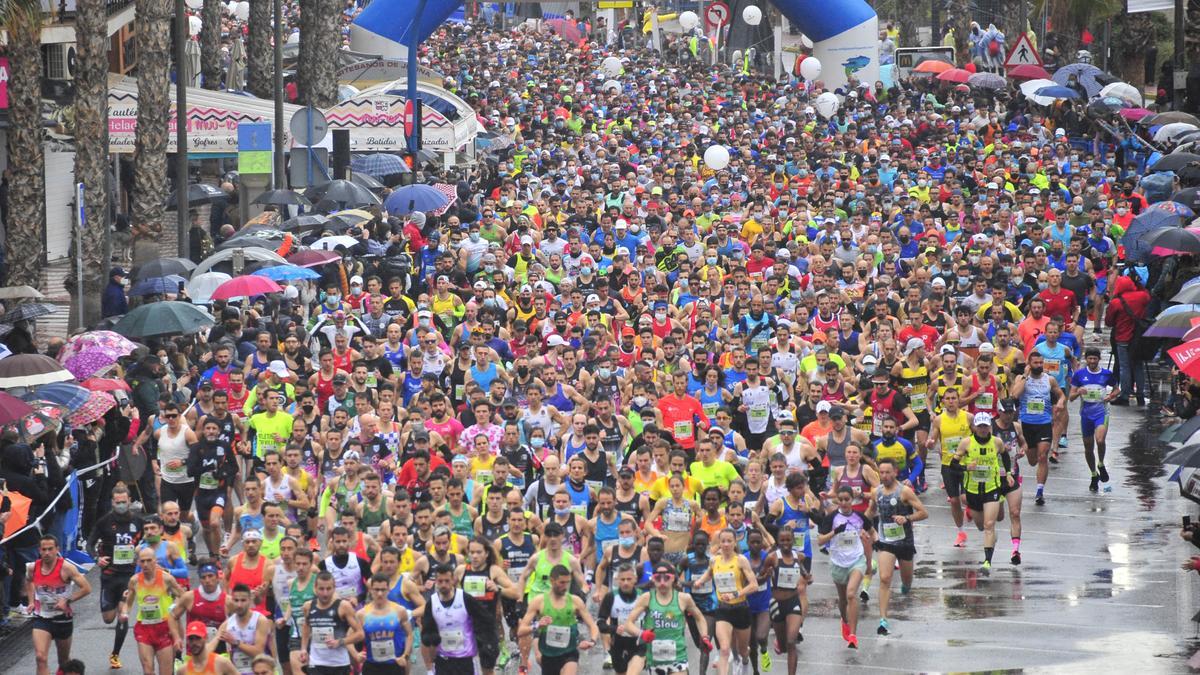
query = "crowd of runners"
x=621 y=400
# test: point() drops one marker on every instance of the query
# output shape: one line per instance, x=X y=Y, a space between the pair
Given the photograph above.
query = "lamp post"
x=181 y=119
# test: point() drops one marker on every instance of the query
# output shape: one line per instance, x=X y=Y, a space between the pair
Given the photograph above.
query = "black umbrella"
x=1186 y=430
x=344 y=192
x=283 y=198
x=1174 y=238
x=260 y=236
x=306 y=222
x=1189 y=198
x=1187 y=456
x=367 y=181
x=162 y=267
x=1175 y=161
x=1189 y=175
x=198 y=193
x=27 y=311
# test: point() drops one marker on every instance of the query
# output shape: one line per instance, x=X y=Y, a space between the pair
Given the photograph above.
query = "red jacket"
x=1116 y=316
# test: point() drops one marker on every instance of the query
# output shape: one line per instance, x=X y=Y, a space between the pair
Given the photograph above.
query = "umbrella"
x=102 y=339
x=45 y=418
x=256 y=236
x=1029 y=89
x=236 y=79
x=1188 y=456
x=331 y=243
x=367 y=181
x=986 y=81
x=1134 y=114
x=198 y=193
x=1057 y=91
x=1136 y=249
x=1028 y=71
x=308 y=221
x=932 y=66
x=165 y=266
x=70 y=396
x=12 y=409
x=313 y=258
x=282 y=198
x=1192 y=334
x=1106 y=105
x=1189 y=197
x=20 y=293
x=353 y=217
x=91 y=362
x=162 y=318
x=249 y=254
x=1089 y=76
x=191 y=63
x=416 y=197
x=1172 y=117
x=957 y=75
x=1174 y=239
x=1170 y=326
x=1185 y=430
x=1168 y=132
x=201 y=287
x=1124 y=91
x=343 y=192
x=379 y=164
x=99 y=402
x=567 y=28
x=28 y=311
x=1175 y=208
x=1175 y=161
x=245 y=286
x=31 y=370
x=158 y=285
x=287 y=273
x=1189 y=175
x=105 y=384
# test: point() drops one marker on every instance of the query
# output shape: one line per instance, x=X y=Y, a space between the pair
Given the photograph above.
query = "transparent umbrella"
x=191 y=63
x=236 y=79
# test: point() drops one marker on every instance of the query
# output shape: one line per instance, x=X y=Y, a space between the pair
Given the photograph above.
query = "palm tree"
x=320 y=36
x=147 y=208
x=210 y=44
x=26 y=156
x=260 y=64
x=91 y=155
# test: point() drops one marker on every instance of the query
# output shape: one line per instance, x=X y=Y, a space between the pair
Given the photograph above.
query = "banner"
x=1136 y=6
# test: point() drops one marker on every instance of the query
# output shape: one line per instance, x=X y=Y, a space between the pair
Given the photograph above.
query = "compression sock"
x=987 y=553
x=1016 y=543
x=119 y=635
x=1041 y=487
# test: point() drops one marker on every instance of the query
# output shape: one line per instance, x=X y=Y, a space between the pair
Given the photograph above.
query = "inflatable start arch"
x=845 y=33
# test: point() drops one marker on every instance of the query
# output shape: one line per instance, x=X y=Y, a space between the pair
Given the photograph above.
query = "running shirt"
x=952 y=429
x=1095 y=386
x=1035 y=400
x=888 y=504
x=325 y=623
x=728 y=578
x=982 y=465
x=846 y=548
x=48 y=589
x=669 y=647
x=385 y=636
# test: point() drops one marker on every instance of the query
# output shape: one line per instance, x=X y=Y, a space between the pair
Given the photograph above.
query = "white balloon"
x=194 y=4
x=752 y=15
x=611 y=66
x=716 y=157
x=826 y=104
x=808 y=44
x=810 y=68
x=688 y=20
x=242 y=11
x=612 y=85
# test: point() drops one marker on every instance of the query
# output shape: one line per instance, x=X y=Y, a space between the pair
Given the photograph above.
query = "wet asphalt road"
x=1100 y=585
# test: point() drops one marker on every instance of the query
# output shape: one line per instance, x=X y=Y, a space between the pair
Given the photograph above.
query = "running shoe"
x=502 y=660
x=1094 y=486
x=607 y=662
x=1016 y=558
x=778 y=646
x=1040 y=500
x=845 y=631
x=883 y=627
x=960 y=539
x=852 y=642
x=905 y=589
x=1103 y=473
x=764 y=661
x=1054 y=456
x=864 y=597
x=114 y=661
x=1062 y=443
x=987 y=566
x=523 y=670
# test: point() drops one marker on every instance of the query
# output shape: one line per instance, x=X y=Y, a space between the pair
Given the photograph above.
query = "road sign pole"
x=414 y=43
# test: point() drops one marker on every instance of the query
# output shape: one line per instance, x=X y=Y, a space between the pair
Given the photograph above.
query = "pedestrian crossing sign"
x=1023 y=53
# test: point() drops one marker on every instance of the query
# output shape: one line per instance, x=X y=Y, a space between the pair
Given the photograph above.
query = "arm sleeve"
x=604 y=615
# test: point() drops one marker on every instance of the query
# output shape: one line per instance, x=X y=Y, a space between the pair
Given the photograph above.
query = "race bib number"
x=241 y=661
x=682 y=430
x=663 y=650
x=1036 y=407
x=123 y=554
x=981 y=474
x=475 y=586
x=678 y=521
x=484 y=476
x=759 y=413
x=704 y=588
x=985 y=400
x=373 y=530
x=919 y=402
x=347 y=593
x=951 y=443
x=558 y=637
x=892 y=532
x=514 y=573
x=726 y=583
x=453 y=641
x=1052 y=367
x=580 y=510
x=607 y=544
x=208 y=481
x=179 y=473
x=459 y=391
x=710 y=409
x=595 y=485
x=846 y=541
x=789 y=577
x=1093 y=395
x=321 y=633
x=150 y=610
x=383 y=650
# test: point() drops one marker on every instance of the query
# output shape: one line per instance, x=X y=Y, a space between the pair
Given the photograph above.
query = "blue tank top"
x=484 y=378
x=394 y=356
x=706 y=596
x=798 y=521
x=250 y=521
x=582 y=497
x=1057 y=365
x=1035 y=401
x=396 y=595
x=605 y=532
x=412 y=385
x=380 y=630
x=760 y=600
x=560 y=401
x=710 y=402
x=570 y=449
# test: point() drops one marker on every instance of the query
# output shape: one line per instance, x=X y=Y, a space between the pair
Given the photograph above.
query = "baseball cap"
x=197 y=629
x=279 y=368
x=252 y=534
x=556 y=341
x=987 y=348
x=824 y=407
x=913 y=345
x=340 y=378
x=837 y=412
x=947 y=349
x=938 y=281
x=982 y=418
x=356 y=280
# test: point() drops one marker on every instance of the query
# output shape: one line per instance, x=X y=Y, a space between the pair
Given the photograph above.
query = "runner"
x=735 y=581
x=451 y=621
x=615 y=607
x=114 y=540
x=201 y=659
x=555 y=616
x=789 y=595
x=896 y=507
x=244 y=632
x=948 y=430
x=1097 y=387
x=849 y=535
x=48 y=583
x=330 y=628
x=483 y=579
x=204 y=604
x=156 y=636
x=979 y=456
x=659 y=617
x=1008 y=430
x=386 y=643
x=1039 y=394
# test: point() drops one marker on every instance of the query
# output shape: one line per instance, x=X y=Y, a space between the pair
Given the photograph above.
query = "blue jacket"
x=114 y=302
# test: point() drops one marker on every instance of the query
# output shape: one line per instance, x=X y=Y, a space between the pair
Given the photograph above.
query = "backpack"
x=1141 y=348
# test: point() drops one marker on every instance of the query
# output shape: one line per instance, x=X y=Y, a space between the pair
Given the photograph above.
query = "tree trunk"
x=154 y=111
x=210 y=44
x=91 y=153
x=961 y=10
x=320 y=36
x=26 y=154
x=260 y=64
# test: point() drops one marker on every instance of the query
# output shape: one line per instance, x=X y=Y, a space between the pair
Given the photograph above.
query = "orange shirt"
x=679 y=416
x=814 y=429
x=1029 y=329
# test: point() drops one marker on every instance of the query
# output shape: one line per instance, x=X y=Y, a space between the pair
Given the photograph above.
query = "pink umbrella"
x=104 y=384
x=107 y=340
x=245 y=286
x=98 y=403
x=955 y=75
x=1193 y=333
x=94 y=361
x=1134 y=114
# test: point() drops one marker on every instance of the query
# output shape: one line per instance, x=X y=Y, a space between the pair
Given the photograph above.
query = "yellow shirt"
x=951 y=431
x=691 y=489
x=481 y=468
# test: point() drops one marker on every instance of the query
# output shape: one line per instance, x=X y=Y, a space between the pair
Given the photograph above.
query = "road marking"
x=1025 y=513
x=1051 y=624
x=974 y=644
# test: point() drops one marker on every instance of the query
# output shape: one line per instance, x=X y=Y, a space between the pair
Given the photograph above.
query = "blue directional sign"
x=254 y=136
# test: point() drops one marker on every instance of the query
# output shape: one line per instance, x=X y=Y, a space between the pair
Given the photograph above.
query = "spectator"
x=114 y=302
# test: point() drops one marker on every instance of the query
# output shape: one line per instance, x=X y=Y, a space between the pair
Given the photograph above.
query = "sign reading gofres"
x=210 y=130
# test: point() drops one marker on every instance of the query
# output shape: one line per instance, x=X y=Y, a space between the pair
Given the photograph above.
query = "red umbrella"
x=1193 y=332
x=1028 y=71
x=1187 y=355
x=954 y=75
x=245 y=286
x=313 y=258
x=12 y=409
x=105 y=384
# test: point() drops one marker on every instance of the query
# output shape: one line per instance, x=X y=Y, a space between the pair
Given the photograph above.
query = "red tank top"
x=324 y=391
x=344 y=361
x=828 y=326
x=987 y=399
x=48 y=588
x=251 y=577
x=209 y=612
x=661 y=330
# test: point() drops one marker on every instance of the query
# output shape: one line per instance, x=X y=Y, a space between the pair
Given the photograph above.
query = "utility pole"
x=181 y=120
x=935 y=23
x=280 y=170
x=1180 y=75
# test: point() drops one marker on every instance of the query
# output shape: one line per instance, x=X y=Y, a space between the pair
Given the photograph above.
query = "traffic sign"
x=1023 y=53
x=716 y=16
x=408 y=118
x=308 y=126
x=254 y=136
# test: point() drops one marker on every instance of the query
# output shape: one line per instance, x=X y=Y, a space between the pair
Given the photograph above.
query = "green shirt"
x=720 y=473
x=561 y=636
x=268 y=427
x=667 y=623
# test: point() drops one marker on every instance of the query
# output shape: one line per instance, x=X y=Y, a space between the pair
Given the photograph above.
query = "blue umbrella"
x=158 y=285
x=1092 y=78
x=1152 y=218
x=1057 y=92
x=379 y=164
x=70 y=396
x=287 y=273
x=1177 y=309
x=416 y=197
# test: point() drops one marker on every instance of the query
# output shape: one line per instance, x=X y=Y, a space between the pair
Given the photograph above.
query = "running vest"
x=985 y=477
x=562 y=635
x=152 y=598
x=1035 y=400
x=347 y=581
x=889 y=505
x=454 y=626
x=243 y=634
x=728 y=578
x=208 y=610
x=952 y=431
x=385 y=636
x=324 y=623
x=48 y=589
x=669 y=646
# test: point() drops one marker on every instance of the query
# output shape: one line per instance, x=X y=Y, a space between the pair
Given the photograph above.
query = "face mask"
x=661 y=316
x=1121 y=212
x=537 y=442
x=640 y=401
x=121 y=508
x=163 y=360
x=1042 y=285
x=474 y=237
x=1102 y=204
x=635 y=228
x=332 y=300
x=522 y=371
x=1036 y=372
x=838 y=201
x=308 y=408
x=562 y=512
x=153 y=540
x=711 y=261
x=921 y=183
x=585 y=270
x=1078 y=208
x=626 y=541
x=964 y=281
x=904 y=239
x=872 y=249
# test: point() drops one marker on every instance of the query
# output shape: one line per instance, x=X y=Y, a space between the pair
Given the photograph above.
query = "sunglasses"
x=170 y=416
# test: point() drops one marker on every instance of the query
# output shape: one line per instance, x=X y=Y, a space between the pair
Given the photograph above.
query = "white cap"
x=252 y=534
x=987 y=348
x=870 y=360
x=356 y=280
x=938 y=281
x=824 y=407
x=556 y=341
x=982 y=418
x=948 y=349
x=621 y=224
x=481 y=285
x=592 y=298
x=527 y=240
x=622 y=250
x=279 y=368
x=913 y=345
